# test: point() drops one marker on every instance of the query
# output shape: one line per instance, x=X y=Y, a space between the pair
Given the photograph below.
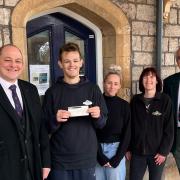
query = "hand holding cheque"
x=75 y=111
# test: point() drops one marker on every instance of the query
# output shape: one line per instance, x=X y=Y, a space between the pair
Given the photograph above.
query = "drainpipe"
x=159 y=34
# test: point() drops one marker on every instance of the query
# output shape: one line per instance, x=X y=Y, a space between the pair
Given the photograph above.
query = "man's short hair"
x=10 y=45
x=69 y=47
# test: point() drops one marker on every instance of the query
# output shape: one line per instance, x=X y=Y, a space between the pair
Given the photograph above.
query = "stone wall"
x=6 y=8
x=142 y=19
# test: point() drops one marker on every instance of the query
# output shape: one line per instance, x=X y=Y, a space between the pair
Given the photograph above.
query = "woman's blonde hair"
x=113 y=69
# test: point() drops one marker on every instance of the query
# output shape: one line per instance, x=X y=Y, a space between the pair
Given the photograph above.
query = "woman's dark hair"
x=69 y=47
x=146 y=72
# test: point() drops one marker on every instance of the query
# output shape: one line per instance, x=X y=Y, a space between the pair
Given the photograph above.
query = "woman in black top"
x=152 y=127
x=115 y=136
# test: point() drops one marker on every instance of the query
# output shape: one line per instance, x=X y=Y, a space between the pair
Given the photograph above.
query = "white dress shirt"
x=5 y=85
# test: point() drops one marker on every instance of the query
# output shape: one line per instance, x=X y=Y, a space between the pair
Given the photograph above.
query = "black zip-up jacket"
x=73 y=144
x=152 y=130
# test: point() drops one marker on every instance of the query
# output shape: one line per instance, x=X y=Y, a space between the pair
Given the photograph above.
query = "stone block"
x=152 y=29
x=167 y=71
x=141 y=1
x=169 y=59
x=6 y=36
x=136 y=72
x=141 y=58
x=173 y=44
x=136 y=43
x=165 y=44
x=148 y=44
x=129 y=9
x=4 y=16
x=172 y=30
x=11 y=2
x=151 y=2
x=146 y=13
x=143 y=28
x=173 y=16
x=140 y=28
x=175 y=3
x=1 y=2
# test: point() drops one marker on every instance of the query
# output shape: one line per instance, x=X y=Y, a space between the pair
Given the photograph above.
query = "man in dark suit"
x=171 y=87
x=24 y=148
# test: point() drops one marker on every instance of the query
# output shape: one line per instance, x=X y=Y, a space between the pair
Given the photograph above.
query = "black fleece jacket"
x=73 y=144
x=117 y=129
x=152 y=129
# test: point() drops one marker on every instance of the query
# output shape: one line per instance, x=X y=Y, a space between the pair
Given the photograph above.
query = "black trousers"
x=176 y=151
x=139 y=164
x=78 y=174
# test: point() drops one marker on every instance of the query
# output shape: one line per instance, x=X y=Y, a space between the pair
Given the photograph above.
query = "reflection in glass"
x=39 y=61
x=69 y=37
x=38 y=48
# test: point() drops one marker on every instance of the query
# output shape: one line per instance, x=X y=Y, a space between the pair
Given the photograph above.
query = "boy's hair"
x=69 y=47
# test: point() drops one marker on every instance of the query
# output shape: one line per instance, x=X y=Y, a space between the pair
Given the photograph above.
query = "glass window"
x=39 y=60
x=38 y=48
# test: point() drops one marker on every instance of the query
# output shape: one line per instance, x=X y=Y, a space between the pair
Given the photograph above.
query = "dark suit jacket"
x=12 y=164
x=171 y=87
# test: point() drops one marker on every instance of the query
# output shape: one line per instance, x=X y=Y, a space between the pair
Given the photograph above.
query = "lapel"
x=174 y=89
x=175 y=85
x=6 y=105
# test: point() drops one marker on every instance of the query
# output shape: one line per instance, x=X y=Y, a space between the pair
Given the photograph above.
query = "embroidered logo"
x=156 y=113
x=87 y=103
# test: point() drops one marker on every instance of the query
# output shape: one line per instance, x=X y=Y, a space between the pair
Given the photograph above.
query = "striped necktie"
x=16 y=100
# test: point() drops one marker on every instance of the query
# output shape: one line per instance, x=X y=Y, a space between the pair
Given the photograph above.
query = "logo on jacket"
x=156 y=113
x=87 y=103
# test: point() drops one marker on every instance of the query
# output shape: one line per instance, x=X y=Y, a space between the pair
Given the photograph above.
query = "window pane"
x=39 y=60
x=38 y=48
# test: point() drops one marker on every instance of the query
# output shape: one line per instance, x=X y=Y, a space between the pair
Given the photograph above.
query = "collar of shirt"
x=5 y=85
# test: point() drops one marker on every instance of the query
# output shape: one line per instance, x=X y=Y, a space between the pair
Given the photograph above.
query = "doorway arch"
x=109 y=18
x=90 y=25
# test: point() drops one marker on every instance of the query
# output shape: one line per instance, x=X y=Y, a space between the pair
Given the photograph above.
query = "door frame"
x=90 y=25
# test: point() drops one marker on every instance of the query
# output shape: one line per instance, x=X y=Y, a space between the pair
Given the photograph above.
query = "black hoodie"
x=73 y=143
